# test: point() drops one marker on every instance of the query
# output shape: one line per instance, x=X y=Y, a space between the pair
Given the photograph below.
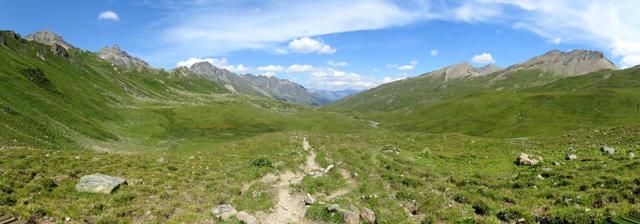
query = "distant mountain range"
x=269 y=87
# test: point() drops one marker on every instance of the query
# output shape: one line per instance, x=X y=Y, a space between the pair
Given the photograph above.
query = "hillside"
x=506 y=103
x=93 y=103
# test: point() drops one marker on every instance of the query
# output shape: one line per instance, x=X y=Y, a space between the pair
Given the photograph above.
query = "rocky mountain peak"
x=48 y=38
x=572 y=63
x=487 y=69
x=117 y=56
x=461 y=70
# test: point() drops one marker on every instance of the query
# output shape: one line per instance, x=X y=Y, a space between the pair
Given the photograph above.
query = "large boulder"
x=528 y=160
x=607 y=150
x=368 y=216
x=99 y=183
x=571 y=156
x=350 y=217
x=224 y=211
x=247 y=218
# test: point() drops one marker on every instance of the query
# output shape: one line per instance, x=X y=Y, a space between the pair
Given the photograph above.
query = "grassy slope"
x=507 y=108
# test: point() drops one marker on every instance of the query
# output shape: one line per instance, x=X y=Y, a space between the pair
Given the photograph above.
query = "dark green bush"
x=481 y=208
x=509 y=215
x=262 y=162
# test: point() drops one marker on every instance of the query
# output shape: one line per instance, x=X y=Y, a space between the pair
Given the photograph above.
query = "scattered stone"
x=354 y=175
x=326 y=170
x=350 y=217
x=540 y=177
x=316 y=173
x=246 y=218
x=528 y=160
x=99 y=183
x=160 y=160
x=67 y=218
x=309 y=200
x=368 y=216
x=391 y=149
x=547 y=169
x=333 y=208
x=571 y=156
x=556 y=163
x=631 y=155
x=607 y=150
x=224 y=211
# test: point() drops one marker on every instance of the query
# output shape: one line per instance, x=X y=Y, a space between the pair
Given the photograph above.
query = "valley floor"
x=402 y=177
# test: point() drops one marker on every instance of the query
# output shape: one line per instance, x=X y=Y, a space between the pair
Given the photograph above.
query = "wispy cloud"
x=217 y=27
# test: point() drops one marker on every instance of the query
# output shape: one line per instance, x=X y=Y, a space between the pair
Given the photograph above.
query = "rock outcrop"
x=117 y=56
x=607 y=150
x=224 y=211
x=99 y=183
x=528 y=160
x=49 y=38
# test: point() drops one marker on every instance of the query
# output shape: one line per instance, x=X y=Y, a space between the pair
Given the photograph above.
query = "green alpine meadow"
x=106 y=137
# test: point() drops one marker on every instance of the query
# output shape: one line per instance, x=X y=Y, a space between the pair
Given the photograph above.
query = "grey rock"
x=246 y=218
x=631 y=155
x=607 y=150
x=309 y=200
x=350 y=217
x=99 y=183
x=528 y=159
x=571 y=156
x=333 y=208
x=224 y=211
x=368 y=216
x=390 y=149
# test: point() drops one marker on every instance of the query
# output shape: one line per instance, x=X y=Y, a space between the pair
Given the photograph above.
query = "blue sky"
x=336 y=44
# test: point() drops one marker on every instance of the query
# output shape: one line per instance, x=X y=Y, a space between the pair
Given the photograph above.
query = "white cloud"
x=474 y=12
x=108 y=15
x=336 y=79
x=484 y=58
x=412 y=65
x=306 y=45
x=270 y=68
x=556 y=40
x=434 y=52
x=337 y=63
x=296 y=68
x=217 y=62
x=389 y=79
x=239 y=68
